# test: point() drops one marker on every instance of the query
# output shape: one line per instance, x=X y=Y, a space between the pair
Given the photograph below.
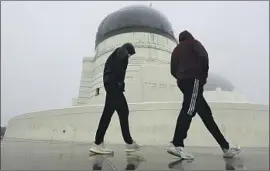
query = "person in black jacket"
x=189 y=66
x=114 y=84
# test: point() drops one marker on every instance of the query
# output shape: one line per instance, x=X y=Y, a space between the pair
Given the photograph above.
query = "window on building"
x=97 y=92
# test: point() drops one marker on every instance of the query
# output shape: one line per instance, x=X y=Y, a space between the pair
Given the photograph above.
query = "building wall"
x=148 y=75
x=153 y=83
x=150 y=124
x=154 y=102
x=86 y=82
x=150 y=49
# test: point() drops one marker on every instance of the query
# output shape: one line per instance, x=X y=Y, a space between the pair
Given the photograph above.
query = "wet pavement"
x=34 y=155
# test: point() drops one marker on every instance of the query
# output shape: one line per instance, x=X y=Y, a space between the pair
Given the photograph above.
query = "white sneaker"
x=231 y=152
x=179 y=152
x=133 y=147
x=100 y=149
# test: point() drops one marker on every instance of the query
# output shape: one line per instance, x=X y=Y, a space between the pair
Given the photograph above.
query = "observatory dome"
x=134 y=19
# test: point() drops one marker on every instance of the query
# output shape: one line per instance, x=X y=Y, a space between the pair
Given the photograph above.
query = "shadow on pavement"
x=133 y=160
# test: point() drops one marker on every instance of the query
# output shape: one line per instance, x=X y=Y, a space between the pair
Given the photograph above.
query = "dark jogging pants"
x=115 y=101
x=194 y=102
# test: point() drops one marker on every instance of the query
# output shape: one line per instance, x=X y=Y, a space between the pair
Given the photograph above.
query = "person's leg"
x=105 y=119
x=190 y=92
x=123 y=113
x=182 y=127
x=205 y=113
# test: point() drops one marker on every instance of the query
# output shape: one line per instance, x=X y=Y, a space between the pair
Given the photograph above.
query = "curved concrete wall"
x=148 y=75
x=154 y=104
x=148 y=83
x=150 y=49
x=151 y=124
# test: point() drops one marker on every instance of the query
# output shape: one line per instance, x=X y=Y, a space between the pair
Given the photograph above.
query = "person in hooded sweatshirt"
x=114 y=84
x=189 y=66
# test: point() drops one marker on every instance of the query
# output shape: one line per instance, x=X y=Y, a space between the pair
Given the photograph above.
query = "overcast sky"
x=43 y=43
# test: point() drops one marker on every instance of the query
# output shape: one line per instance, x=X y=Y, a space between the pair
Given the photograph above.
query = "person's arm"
x=122 y=53
x=122 y=58
x=174 y=62
x=202 y=56
x=110 y=68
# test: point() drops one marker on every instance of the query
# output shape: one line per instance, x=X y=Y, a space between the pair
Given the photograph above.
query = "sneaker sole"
x=178 y=155
x=91 y=154
x=133 y=150
x=100 y=152
x=237 y=152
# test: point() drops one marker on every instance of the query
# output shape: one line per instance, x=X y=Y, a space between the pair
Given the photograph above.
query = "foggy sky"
x=43 y=43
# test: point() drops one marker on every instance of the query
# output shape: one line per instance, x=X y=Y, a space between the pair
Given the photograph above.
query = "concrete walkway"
x=34 y=155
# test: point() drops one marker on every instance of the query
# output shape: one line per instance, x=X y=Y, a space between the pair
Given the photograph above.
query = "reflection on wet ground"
x=34 y=155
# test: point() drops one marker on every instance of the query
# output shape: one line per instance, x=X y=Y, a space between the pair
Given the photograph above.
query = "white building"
x=151 y=91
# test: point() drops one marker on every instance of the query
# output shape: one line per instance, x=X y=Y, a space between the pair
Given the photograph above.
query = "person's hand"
x=121 y=86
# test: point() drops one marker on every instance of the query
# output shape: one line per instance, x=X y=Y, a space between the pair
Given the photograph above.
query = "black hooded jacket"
x=189 y=59
x=115 y=67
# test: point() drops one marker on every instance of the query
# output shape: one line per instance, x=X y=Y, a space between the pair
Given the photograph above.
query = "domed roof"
x=134 y=19
x=215 y=81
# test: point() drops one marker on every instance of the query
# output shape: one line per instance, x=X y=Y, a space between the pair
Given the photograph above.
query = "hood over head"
x=130 y=48
x=185 y=35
